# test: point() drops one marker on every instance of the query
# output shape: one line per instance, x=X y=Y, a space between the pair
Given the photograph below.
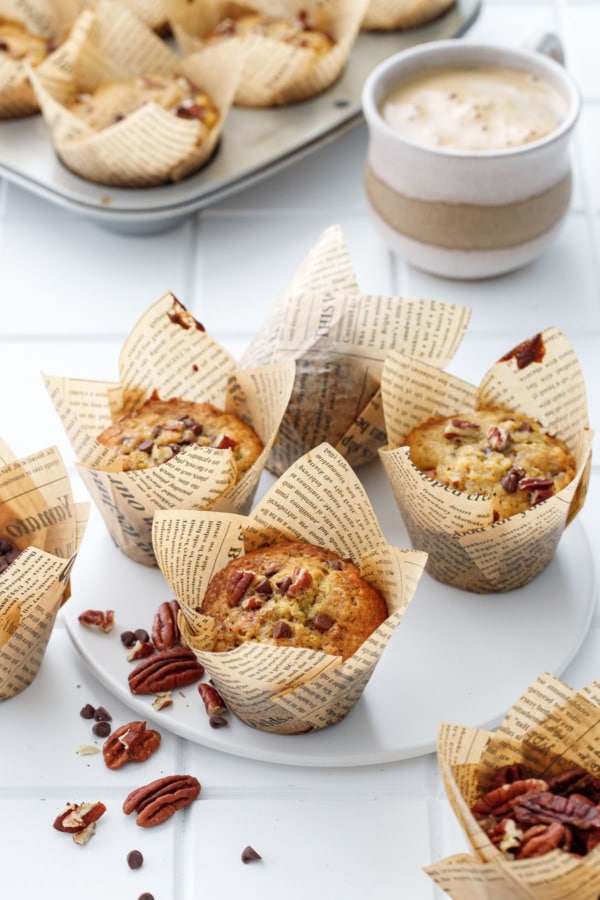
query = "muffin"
x=296 y=31
x=293 y=595
x=113 y=101
x=159 y=429
x=507 y=456
x=18 y=44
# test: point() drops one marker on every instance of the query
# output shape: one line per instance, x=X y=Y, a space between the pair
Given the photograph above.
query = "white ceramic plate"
x=255 y=143
x=456 y=657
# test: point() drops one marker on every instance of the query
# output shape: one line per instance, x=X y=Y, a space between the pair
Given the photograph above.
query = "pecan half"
x=98 y=618
x=237 y=586
x=165 y=671
x=213 y=702
x=542 y=841
x=165 y=630
x=499 y=801
x=545 y=808
x=130 y=743
x=158 y=801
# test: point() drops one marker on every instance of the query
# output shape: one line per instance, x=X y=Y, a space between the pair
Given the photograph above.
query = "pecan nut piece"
x=78 y=816
x=130 y=743
x=104 y=619
x=165 y=671
x=156 y=802
x=165 y=630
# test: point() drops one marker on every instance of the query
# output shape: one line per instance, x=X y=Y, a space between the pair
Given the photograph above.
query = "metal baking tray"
x=255 y=142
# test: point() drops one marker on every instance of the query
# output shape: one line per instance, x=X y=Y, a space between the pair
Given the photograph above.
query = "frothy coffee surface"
x=480 y=107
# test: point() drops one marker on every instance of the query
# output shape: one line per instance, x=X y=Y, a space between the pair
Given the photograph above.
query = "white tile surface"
x=69 y=293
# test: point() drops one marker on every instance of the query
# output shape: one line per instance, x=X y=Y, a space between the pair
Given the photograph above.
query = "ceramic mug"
x=469 y=213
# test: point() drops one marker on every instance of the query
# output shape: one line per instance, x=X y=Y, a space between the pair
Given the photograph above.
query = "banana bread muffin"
x=114 y=100
x=507 y=456
x=296 y=31
x=18 y=44
x=293 y=595
x=160 y=429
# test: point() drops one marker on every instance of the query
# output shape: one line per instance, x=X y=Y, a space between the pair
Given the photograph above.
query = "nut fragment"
x=79 y=820
x=156 y=802
x=139 y=650
x=130 y=743
x=213 y=702
x=162 y=699
x=165 y=671
x=98 y=618
x=457 y=428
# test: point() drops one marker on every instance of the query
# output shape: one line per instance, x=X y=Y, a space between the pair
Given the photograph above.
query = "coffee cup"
x=455 y=185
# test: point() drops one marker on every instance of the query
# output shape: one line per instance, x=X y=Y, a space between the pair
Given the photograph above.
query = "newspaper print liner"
x=168 y=351
x=274 y=73
x=550 y=729
x=319 y=499
x=466 y=549
x=151 y=145
x=338 y=339
x=50 y=19
x=39 y=516
x=387 y=15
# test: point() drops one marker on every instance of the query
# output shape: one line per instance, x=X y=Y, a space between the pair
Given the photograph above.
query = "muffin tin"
x=256 y=143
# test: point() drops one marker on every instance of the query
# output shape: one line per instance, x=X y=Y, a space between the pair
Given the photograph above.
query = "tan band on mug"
x=465 y=226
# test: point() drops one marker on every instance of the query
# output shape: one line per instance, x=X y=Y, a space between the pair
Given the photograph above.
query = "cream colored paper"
x=388 y=15
x=550 y=729
x=39 y=516
x=168 y=351
x=339 y=339
x=274 y=73
x=466 y=548
x=318 y=500
x=150 y=146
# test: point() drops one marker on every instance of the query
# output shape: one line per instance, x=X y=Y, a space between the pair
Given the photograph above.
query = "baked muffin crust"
x=293 y=595
x=495 y=452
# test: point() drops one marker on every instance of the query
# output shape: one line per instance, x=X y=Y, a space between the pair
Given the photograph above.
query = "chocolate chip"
x=145 y=446
x=146 y=896
x=322 y=622
x=284 y=583
x=141 y=635
x=249 y=854
x=102 y=715
x=264 y=587
x=127 y=638
x=134 y=859
x=335 y=564
x=101 y=729
x=282 y=630
x=87 y=711
x=217 y=721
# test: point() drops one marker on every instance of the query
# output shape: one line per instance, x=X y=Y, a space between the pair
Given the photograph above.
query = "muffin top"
x=293 y=594
x=114 y=100
x=507 y=456
x=159 y=429
x=18 y=44
x=295 y=31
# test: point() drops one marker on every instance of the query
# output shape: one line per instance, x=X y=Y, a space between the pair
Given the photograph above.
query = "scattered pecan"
x=158 y=801
x=165 y=671
x=576 y=781
x=98 y=618
x=139 y=650
x=165 y=630
x=213 y=702
x=79 y=820
x=499 y=801
x=130 y=743
x=544 y=808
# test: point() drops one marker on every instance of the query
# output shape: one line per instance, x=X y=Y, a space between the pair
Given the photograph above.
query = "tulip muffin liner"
x=168 y=351
x=150 y=146
x=274 y=73
x=541 y=378
x=287 y=690
x=550 y=729
x=339 y=339
x=41 y=520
